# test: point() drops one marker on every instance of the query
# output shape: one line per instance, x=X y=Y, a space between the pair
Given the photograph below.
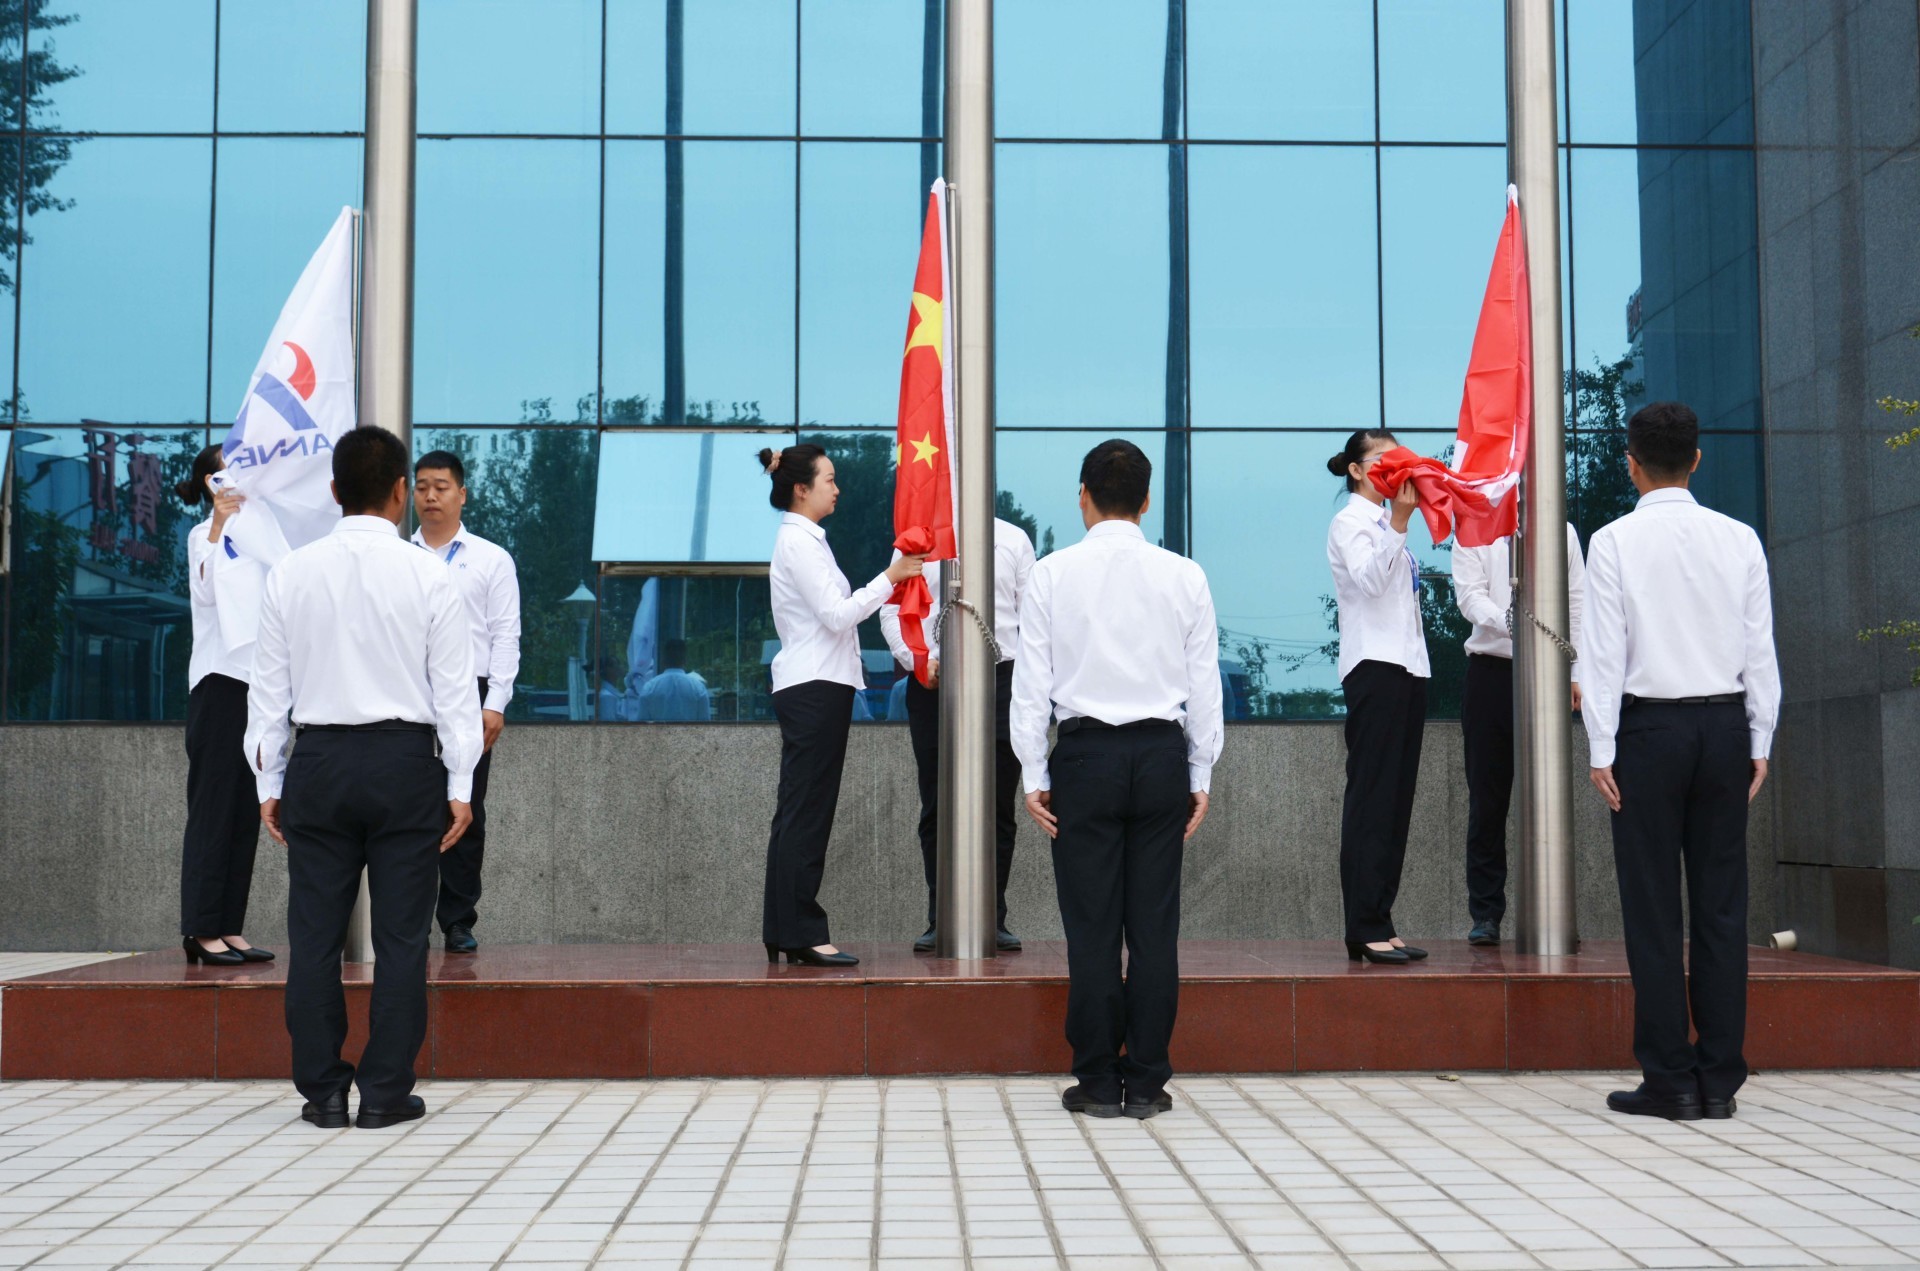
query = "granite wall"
x=1837 y=86
x=657 y=833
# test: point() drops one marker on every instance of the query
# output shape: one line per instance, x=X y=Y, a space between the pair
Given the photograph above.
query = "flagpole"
x=1543 y=730
x=965 y=920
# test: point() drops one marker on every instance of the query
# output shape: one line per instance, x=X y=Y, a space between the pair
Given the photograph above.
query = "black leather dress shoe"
x=1412 y=953
x=1076 y=1099
x=925 y=943
x=380 y=1118
x=1006 y=941
x=1357 y=951
x=1719 y=1109
x=1682 y=1107
x=329 y=1114
x=254 y=953
x=460 y=939
x=196 y=952
x=1484 y=934
x=811 y=957
x=1141 y=1109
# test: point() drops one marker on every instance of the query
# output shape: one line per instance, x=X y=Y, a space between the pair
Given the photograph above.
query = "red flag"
x=1475 y=500
x=923 y=450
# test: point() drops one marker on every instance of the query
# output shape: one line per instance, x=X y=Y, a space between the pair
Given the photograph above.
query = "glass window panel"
x=123 y=238
x=1664 y=268
x=9 y=273
x=1082 y=286
x=1080 y=68
x=10 y=87
x=866 y=68
x=1283 y=69
x=100 y=627
x=1285 y=301
x=684 y=650
x=329 y=92
x=1038 y=474
x=1441 y=213
x=124 y=66
x=505 y=281
x=531 y=490
x=278 y=197
x=487 y=66
x=1674 y=74
x=684 y=496
x=737 y=68
x=735 y=319
x=1278 y=639
x=860 y=219
x=1443 y=70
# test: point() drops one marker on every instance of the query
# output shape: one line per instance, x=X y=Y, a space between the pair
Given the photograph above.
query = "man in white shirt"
x=364 y=648
x=1483 y=588
x=489 y=590
x=1682 y=693
x=676 y=694
x=1012 y=563
x=1118 y=642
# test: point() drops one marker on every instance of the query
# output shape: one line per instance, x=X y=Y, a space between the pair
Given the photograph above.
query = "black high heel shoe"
x=254 y=953
x=811 y=957
x=225 y=957
x=1413 y=953
x=1357 y=951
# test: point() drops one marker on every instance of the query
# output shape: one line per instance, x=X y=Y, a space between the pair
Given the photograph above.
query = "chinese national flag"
x=1476 y=500
x=923 y=453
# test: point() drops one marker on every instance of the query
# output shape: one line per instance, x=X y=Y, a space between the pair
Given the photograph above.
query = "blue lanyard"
x=452 y=552
x=228 y=544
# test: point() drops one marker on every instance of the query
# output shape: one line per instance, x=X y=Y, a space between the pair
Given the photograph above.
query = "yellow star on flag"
x=924 y=450
x=927 y=330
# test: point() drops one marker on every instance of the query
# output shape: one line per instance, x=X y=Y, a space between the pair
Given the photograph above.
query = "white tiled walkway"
x=1395 y=1173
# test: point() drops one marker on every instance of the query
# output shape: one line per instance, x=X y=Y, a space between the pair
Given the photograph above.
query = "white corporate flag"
x=298 y=403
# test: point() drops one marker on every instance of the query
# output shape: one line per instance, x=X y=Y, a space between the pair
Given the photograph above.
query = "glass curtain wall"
x=653 y=235
x=163 y=181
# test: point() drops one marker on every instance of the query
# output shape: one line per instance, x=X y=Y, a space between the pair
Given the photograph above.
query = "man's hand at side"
x=459 y=817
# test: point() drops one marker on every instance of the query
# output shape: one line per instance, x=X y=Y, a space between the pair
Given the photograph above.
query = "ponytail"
x=793 y=466
x=193 y=491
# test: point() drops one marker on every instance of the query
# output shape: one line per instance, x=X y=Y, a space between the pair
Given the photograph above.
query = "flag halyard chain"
x=986 y=628
x=1514 y=606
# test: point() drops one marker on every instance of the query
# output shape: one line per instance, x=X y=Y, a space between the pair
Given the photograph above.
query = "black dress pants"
x=814 y=720
x=1121 y=796
x=1683 y=773
x=363 y=799
x=460 y=864
x=923 y=725
x=223 y=811
x=1486 y=724
x=1386 y=716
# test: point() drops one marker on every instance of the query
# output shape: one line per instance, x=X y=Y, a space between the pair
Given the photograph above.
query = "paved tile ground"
x=1377 y=1173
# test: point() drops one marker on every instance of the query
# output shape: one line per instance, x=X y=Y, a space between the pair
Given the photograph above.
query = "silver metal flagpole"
x=1543 y=742
x=965 y=919
x=386 y=267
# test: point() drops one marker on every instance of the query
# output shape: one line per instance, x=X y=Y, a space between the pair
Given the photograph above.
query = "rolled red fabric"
x=1447 y=503
x=914 y=598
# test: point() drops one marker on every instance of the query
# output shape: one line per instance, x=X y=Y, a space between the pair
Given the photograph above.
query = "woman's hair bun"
x=187 y=490
x=766 y=457
x=1338 y=464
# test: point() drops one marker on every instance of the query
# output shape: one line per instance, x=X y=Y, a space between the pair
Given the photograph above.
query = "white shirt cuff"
x=1575 y=673
x=1036 y=778
x=1601 y=755
x=268 y=785
x=497 y=698
x=460 y=788
x=1762 y=739
x=1199 y=778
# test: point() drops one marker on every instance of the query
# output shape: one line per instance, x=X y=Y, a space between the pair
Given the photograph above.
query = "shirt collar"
x=366 y=525
x=1666 y=494
x=1120 y=528
x=459 y=536
x=800 y=522
x=1357 y=502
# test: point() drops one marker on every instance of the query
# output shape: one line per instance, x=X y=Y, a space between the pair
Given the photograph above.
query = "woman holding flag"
x=223 y=815
x=815 y=676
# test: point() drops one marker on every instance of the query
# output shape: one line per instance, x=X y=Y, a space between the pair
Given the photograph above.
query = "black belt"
x=383 y=726
x=1712 y=699
x=1068 y=727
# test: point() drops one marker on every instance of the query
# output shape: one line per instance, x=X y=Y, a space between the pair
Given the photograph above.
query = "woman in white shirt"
x=1383 y=669
x=223 y=809
x=815 y=676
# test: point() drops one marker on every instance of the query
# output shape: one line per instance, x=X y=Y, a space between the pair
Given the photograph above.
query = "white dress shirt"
x=1483 y=588
x=1012 y=563
x=1116 y=629
x=489 y=587
x=358 y=628
x=675 y=694
x=221 y=646
x=1677 y=606
x=1377 y=587
x=815 y=611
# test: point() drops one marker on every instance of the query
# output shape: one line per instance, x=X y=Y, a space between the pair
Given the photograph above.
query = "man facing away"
x=489 y=589
x=1012 y=564
x=1681 y=697
x=1483 y=588
x=676 y=694
x=364 y=645
x=1118 y=641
